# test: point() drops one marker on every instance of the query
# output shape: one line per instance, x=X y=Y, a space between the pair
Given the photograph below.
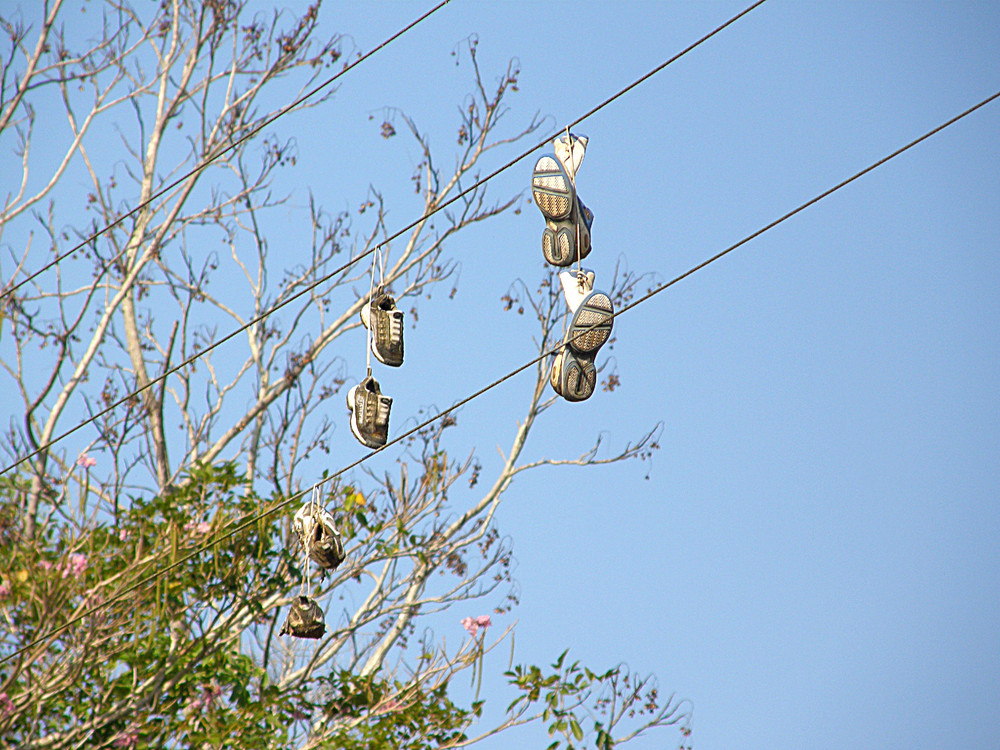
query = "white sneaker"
x=570 y=151
x=576 y=286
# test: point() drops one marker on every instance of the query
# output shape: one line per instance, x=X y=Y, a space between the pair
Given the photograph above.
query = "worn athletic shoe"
x=559 y=238
x=570 y=151
x=552 y=189
x=576 y=286
x=318 y=534
x=591 y=325
x=573 y=376
x=385 y=321
x=369 y=413
x=305 y=619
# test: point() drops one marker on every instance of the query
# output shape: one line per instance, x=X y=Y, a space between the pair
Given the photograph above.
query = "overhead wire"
x=310 y=287
x=246 y=524
x=207 y=163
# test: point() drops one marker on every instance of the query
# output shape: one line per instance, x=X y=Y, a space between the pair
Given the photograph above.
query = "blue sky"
x=812 y=560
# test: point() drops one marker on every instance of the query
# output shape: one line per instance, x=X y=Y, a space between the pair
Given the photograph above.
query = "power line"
x=238 y=142
x=348 y=264
x=284 y=503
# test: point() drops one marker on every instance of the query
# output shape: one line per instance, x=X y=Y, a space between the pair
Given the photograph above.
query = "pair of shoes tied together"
x=566 y=240
x=369 y=413
x=305 y=619
x=317 y=533
x=574 y=373
x=369 y=408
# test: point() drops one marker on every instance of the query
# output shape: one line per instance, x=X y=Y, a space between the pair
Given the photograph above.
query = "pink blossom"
x=4 y=590
x=388 y=706
x=75 y=565
x=126 y=738
x=472 y=624
x=122 y=534
x=86 y=461
x=209 y=695
x=202 y=527
x=6 y=705
x=45 y=565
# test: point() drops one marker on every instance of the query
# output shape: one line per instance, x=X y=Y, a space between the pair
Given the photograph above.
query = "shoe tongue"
x=570 y=151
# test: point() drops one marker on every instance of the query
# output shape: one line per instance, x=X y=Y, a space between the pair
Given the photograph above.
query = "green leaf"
x=559 y=661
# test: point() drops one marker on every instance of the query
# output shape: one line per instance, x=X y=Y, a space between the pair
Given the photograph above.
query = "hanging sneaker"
x=369 y=413
x=387 y=333
x=570 y=151
x=576 y=286
x=591 y=325
x=305 y=619
x=559 y=238
x=316 y=531
x=552 y=189
x=573 y=376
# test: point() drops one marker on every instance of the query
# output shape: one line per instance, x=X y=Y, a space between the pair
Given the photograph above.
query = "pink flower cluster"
x=472 y=624
x=388 y=706
x=74 y=566
x=210 y=693
x=6 y=705
x=86 y=461
x=201 y=527
x=127 y=738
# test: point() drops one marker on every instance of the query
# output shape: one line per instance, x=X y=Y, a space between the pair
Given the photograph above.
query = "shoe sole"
x=559 y=244
x=555 y=374
x=577 y=376
x=552 y=189
x=592 y=324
